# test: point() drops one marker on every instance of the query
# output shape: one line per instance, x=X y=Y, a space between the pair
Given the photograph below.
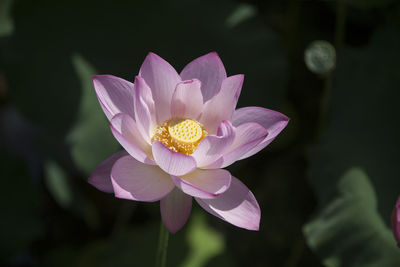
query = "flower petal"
x=125 y=130
x=396 y=221
x=187 y=100
x=212 y=147
x=237 y=206
x=144 y=108
x=175 y=210
x=134 y=180
x=222 y=105
x=273 y=121
x=101 y=176
x=248 y=136
x=115 y=95
x=204 y=183
x=209 y=70
x=162 y=79
x=174 y=163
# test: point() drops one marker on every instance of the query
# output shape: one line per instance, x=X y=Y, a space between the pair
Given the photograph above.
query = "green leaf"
x=6 y=25
x=205 y=243
x=360 y=132
x=68 y=195
x=349 y=231
x=57 y=184
x=90 y=139
x=360 y=129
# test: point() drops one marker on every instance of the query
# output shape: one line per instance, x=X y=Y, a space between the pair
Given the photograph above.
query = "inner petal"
x=180 y=135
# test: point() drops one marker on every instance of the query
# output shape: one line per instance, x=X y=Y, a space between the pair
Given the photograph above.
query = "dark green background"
x=326 y=186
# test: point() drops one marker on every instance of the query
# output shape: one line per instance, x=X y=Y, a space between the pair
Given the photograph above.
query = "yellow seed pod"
x=185 y=130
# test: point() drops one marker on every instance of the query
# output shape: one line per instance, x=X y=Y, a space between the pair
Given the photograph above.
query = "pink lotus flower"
x=178 y=132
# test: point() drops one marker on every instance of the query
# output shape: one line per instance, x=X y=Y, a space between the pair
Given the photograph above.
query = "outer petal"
x=115 y=95
x=175 y=210
x=212 y=147
x=237 y=206
x=162 y=79
x=134 y=180
x=144 y=108
x=187 y=100
x=204 y=183
x=396 y=221
x=101 y=176
x=271 y=120
x=222 y=105
x=172 y=162
x=209 y=70
x=248 y=136
x=125 y=130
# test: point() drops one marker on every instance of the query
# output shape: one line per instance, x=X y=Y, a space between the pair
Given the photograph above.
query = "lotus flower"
x=178 y=132
x=396 y=222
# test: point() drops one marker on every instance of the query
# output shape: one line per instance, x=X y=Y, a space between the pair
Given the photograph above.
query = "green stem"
x=161 y=259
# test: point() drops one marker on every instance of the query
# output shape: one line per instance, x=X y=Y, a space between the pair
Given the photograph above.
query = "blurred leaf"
x=242 y=12
x=90 y=139
x=349 y=231
x=57 y=184
x=6 y=25
x=68 y=195
x=133 y=246
x=20 y=222
x=361 y=129
x=360 y=132
x=205 y=243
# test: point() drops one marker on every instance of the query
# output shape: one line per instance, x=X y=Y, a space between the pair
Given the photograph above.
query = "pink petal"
x=115 y=95
x=187 y=100
x=212 y=147
x=134 y=180
x=248 y=136
x=237 y=206
x=273 y=121
x=209 y=70
x=162 y=79
x=144 y=108
x=101 y=176
x=125 y=130
x=222 y=105
x=396 y=221
x=174 y=163
x=204 y=183
x=175 y=210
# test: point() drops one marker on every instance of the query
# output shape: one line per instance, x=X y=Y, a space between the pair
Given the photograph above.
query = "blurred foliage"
x=352 y=221
x=86 y=150
x=317 y=209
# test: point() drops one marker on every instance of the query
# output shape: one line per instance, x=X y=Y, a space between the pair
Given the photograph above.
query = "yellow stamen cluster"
x=180 y=135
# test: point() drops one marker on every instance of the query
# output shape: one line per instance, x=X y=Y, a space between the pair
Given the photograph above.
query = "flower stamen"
x=180 y=135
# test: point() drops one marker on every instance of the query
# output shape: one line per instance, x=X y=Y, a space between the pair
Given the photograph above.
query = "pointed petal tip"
x=139 y=80
x=152 y=55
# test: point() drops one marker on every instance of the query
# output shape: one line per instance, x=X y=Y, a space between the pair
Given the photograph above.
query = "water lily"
x=179 y=131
